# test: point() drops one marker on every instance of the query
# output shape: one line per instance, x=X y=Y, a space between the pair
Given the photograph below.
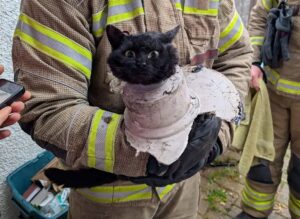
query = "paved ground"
x=221 y=189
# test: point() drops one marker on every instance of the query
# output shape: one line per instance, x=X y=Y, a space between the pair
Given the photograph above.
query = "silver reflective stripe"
x=102 y=23
x=120 y=9
x=114 y=195
x=180 y=1
x=102 y=195
x=257 y=40
x=179 y=4
x=191 y=3
x=195 y=4
x=160 y=189
x=291 y=87
x=270 y=76
x=232 y=33
x=100 y=141
x=214 y=4
x=56 y=45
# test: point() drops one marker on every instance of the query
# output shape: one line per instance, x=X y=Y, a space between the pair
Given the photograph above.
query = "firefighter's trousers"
x=180 y=203
x=263 y=179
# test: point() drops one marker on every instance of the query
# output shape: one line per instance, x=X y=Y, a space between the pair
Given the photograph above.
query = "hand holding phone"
x=12 y=98
x=9 y=92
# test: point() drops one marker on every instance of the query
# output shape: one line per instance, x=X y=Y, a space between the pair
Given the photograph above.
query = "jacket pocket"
x=202 y=32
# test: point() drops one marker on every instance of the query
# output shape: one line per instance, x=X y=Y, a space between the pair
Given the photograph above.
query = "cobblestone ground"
x=221 y=194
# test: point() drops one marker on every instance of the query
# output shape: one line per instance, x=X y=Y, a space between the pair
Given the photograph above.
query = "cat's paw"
x=55 y=175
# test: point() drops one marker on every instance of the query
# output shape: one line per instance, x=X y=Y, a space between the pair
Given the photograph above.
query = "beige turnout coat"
x=60 y=51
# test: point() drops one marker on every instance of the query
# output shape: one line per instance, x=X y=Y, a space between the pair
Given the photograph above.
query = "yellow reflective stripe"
x=99 y=32
x=165 y=191
x=91 y=152
x=260 y=206
x=287 y=86
x=110 y=142
x=119 y=2
x=101 y=140
x=257 y=40
x=295 y=201
x=190 y=7
x=95 y=199
x=125 y=16
x=190 y=10
x=294 y=205
x=97 y=17
x=57 y=36
x=179 y=5
x=134 y=197
x=116 y=11
x=258 y=196
x=274 y=3
x=128 y=188
x=256 y=43
x=287 y=82
x=267 y=4
x=54 y=44
x=232 y=33
x=272 y=75
x=117 y=194
x=52 y=53
x=284 y=85
x=231 y=25
x=99 y=22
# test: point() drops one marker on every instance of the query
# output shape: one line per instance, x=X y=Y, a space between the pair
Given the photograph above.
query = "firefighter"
x=60 y=52
x=274 y=28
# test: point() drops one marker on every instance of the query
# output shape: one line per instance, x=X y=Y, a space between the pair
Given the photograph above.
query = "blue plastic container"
x=20 y=180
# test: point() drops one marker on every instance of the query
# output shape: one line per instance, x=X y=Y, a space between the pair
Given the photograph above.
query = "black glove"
x=202 y=139
x=278 y=32
x=268 y=46
x=284 y=29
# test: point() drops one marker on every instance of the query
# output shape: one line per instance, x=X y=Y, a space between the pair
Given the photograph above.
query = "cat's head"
x=145 y=58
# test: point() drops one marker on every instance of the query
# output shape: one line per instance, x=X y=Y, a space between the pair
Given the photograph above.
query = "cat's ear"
x=115 y=36
x=170 y=35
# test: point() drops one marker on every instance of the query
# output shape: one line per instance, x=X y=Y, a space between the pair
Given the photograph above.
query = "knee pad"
x=294 y=173
x=260 y=173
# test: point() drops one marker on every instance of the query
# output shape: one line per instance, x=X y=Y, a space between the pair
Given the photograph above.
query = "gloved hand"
x=202 y=138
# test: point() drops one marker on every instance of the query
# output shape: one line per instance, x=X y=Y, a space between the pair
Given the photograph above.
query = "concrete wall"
x=19 y=148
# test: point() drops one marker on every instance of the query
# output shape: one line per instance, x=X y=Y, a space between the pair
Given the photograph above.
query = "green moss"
x=220 y=174
x=215 y=197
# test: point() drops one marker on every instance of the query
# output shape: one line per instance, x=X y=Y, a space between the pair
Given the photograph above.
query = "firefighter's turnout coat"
x=60 y=52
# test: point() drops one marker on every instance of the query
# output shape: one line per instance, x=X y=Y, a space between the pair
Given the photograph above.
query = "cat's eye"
x=153 y=54
x=129 y=54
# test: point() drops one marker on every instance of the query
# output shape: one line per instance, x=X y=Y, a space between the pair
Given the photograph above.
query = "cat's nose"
x=142 y=64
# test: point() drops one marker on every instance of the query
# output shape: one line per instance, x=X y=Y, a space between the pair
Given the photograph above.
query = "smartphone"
x=9 y=92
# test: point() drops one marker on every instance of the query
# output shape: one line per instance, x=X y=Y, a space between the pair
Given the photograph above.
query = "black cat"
x=145 y=58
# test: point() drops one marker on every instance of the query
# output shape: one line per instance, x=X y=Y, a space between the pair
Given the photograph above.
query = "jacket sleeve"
x=234 y=59
x=53 y=51
x=257 y=25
